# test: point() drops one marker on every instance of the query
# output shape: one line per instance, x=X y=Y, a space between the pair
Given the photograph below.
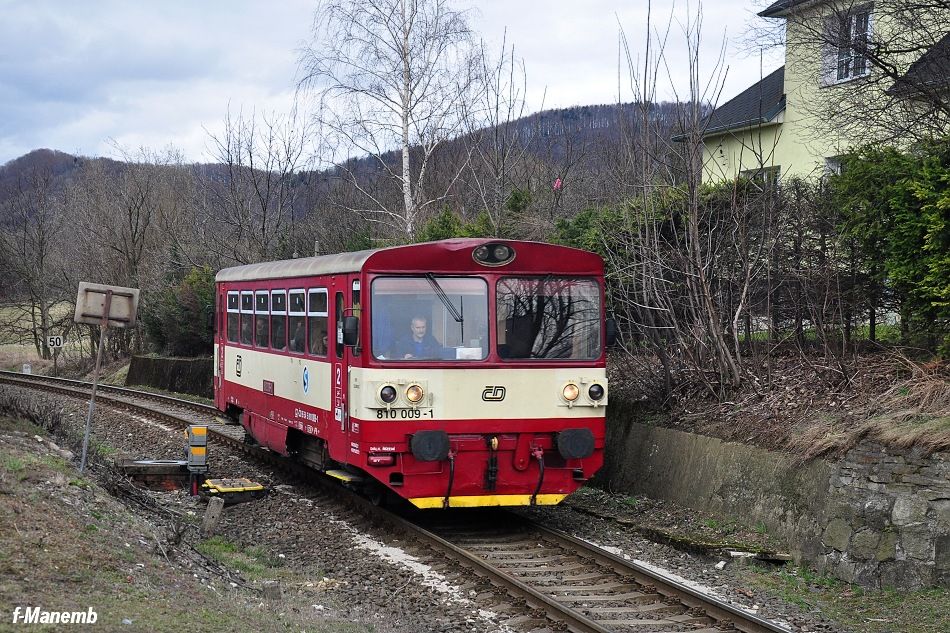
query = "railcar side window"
x=317 y=316
x=247 y=318
x=234 y=316
x=338 y=339
x=278 y=319
x=298 y=321
x=261 y=309
x=548 y=318
x=436 y=318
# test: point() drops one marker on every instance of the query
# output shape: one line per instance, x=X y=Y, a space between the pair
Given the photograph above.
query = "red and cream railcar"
x=465 y=372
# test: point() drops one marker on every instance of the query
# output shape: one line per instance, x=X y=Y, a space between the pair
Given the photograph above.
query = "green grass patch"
x=856 y=608
x=103 y=449
x=23 y=464
x=13 y=464
x=20 y=425
x=254 y=562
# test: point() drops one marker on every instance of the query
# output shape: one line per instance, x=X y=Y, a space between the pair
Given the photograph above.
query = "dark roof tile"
x=931 y=70
x=778 y=9
x=755 y=105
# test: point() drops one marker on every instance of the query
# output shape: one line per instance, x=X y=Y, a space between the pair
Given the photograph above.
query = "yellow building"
x=835 y=88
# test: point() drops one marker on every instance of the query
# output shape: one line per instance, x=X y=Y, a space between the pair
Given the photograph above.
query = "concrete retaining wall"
x=878 y=517
x=181 y=375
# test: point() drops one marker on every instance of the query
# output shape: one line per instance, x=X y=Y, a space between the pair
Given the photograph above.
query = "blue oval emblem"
x=306 y=380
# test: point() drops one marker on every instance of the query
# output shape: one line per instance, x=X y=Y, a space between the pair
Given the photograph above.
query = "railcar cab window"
x=317 y=317
x=261 y=312
x=247 y=318
x=278 y=319
x=234 y=316
x=556 y=318
x=298 y=321
x=429 y=317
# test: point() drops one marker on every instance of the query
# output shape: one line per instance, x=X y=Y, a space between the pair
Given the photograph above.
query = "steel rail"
x=179 y=402
x=566 y=617
x=715 y=608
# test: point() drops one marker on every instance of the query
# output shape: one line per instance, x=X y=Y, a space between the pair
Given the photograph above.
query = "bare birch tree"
x=390 y=76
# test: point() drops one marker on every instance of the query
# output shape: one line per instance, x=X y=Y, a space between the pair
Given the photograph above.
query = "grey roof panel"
x=302 y=267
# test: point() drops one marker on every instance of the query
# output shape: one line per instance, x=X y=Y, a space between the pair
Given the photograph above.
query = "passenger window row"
x=294 y=320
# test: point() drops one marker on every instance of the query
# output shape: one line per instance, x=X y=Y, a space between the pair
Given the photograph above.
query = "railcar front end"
x=458 y=373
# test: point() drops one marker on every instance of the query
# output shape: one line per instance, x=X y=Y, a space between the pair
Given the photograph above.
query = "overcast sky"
x=87 y=77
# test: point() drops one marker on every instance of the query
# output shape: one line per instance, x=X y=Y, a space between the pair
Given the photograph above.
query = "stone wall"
x=181 y=375
x=879 y=517
x=888 y=520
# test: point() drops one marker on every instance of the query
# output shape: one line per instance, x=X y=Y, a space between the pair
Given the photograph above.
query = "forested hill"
x=553 y=132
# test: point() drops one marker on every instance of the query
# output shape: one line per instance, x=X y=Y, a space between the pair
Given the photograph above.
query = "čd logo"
x=493 y=393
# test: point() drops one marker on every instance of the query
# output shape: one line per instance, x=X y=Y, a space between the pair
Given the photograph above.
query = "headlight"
x=570 y=392
x=596 y=392
x=493 y=254
x=387 y=394
x=415 y=393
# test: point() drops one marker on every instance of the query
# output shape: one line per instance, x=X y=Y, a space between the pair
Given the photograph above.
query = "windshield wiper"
x=444 y=298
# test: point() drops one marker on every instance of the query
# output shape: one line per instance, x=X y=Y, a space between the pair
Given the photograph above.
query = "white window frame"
x=258 y=313
x=318 y=291
x=833 y=57
x=273 y=313
x=247 y=293
x=291 y=313
x=230 y=310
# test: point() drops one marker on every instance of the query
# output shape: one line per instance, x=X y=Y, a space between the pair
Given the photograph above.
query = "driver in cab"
x=418 y=343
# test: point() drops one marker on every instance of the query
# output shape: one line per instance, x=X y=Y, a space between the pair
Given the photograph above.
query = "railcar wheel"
x=377 y=495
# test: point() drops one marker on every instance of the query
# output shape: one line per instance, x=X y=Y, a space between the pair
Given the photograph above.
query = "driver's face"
x=418 y=329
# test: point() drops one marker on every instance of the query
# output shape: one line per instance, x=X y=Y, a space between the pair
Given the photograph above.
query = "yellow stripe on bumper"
x=477 y=501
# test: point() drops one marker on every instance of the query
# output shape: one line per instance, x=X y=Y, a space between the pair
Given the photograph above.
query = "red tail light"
x=384 y=459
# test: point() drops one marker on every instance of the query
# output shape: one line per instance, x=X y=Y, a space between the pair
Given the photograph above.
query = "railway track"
x=564 y=583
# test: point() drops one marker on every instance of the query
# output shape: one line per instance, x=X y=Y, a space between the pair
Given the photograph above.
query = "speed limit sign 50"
x=54 y=341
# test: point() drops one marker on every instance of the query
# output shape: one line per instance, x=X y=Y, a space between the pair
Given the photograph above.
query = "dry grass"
x=915 y=411
x=911 y=412
x=12 y=357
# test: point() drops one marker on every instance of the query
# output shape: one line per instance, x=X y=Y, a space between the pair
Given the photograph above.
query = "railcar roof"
x=413 y=257
x=301 y=267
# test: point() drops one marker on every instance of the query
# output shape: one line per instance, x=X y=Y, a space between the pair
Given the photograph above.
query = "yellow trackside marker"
x=198 y=450
x=199 y=430
x=477 y=501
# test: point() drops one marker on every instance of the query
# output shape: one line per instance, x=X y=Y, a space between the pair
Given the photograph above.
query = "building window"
x=833 y=166
x=764 y=178
x=850 y=32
